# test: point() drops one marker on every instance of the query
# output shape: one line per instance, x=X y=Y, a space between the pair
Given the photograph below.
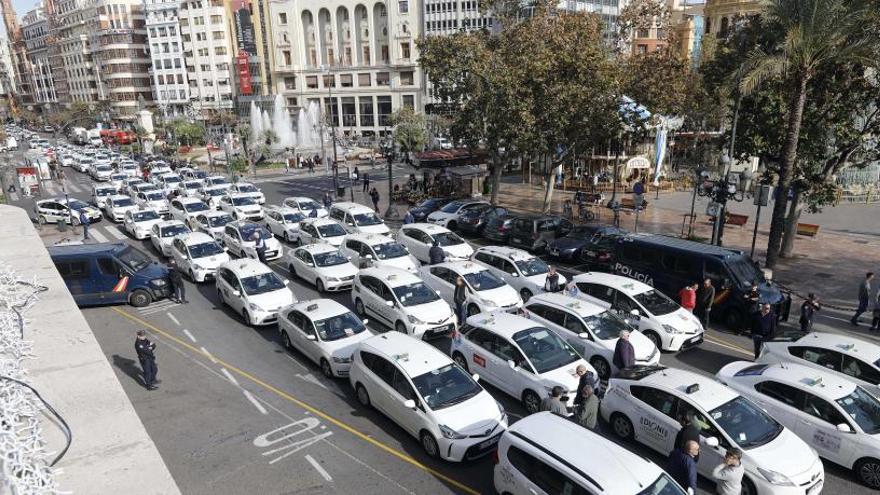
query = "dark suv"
x=535 y=233
x=473 y=220
x=421 y=211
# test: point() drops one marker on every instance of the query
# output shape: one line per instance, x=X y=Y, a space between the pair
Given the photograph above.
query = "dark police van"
x=110 y=273
x=670 y=263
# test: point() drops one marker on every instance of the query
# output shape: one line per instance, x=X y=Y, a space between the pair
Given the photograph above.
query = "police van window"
x=658 y=399
x=651 y=257
x=108 y=266
x=786 y=394
x=714 y=270
x=823 y=410
x=72 y=269
x=631 y=254
x=860 y=370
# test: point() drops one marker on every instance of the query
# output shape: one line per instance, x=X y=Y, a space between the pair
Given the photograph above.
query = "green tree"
x=819 y=34
x=188 y=133
x=410 y=130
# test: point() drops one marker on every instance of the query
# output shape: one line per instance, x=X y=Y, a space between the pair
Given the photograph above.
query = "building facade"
x=35 y=32
x=721 y=15
x=7 y=70
x=208 y=54
x=168 y=72
x=356 y=61
x=254 y=53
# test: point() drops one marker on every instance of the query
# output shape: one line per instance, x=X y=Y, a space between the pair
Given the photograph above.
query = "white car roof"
x=710 y=393
x=143 y=210
x=318 y=221
x=393 y=277
x=830 y=386
x=579 y=306
x=242 y=184
x=413 y=356
x=236 y=195
x=851 y=346
x=628 y=286
x=216 y=187
x=300 y=198
x=461 y=267
x=320 y=309
x=246 y=267
x=371 y=239
x=97 y=187
x=501 y=323
x=349 y=207
x=170 y=223
x=193 y=238
x=214 y=213
x=510 y=253
x=318 y=248
x=428 y=228
x=186 y=200
x=114 y=197
x=242 y=223
x=606 y=463
x=282 y=209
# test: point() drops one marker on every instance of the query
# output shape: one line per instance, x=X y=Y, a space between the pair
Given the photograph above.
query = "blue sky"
x=21 y=7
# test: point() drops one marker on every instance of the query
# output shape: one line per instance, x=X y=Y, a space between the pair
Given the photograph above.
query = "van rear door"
x=77 y=275
x=111 y=280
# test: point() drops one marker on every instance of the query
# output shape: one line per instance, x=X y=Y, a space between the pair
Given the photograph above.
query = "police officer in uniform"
x=145 y=353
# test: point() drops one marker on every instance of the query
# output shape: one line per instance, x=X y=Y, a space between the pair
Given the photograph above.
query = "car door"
x=301 y=328
x=273 y=224
x=382 y=392
x=352 y=249
x=231 y=239
x=389 y=313
x=418 y=243
x=180 y=255
x=371 y=297
x=77 y=275
x=309 y=270
x=177 y=211
x=630 y=310
x=411 y=420
x=512 y=380
x=235 y=302
x=653 y=417
x=110 y=280
x=479 y=345
x=442 y=280
x=307 y=233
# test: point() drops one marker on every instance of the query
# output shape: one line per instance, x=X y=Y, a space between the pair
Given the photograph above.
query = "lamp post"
x=325 y=69
x=731 y=186
x=388 y=151
x=700 y=176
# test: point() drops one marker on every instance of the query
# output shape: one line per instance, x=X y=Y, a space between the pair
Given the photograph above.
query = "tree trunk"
x=786 y=169
x=549 y=182
x=794 y=214
x=497 y=166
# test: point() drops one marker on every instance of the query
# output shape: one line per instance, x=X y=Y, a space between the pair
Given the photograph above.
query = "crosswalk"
x=157 y=307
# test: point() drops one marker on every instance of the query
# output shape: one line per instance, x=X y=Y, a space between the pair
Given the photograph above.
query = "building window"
x=329 y=81
x=289 y=83
x=403 y=6
x=291 y=102
x=349 y=118
x=642 y=49
x=383 y=79
x=282 y=18
x=216 y=19
x=285 y=54
x=345 y=80
x=409 y=101
x=217 y=35
x=383 y=105
x=643 y=33
x=404 y=51
x=384 y=54
x=312 y=82
x=364 y=80
x=220 y=50
x=406 y=78
x=366 y=104
x=366 y=55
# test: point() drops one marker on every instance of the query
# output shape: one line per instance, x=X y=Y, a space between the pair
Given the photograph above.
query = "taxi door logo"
x=653 y=428
x=121 y=285
x=479 y=360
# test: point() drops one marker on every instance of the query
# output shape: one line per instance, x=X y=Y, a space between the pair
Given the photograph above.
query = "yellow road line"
x=730 y=345
x=307 y=407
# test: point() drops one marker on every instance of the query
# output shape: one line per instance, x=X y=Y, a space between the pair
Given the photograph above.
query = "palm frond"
x=759 y=68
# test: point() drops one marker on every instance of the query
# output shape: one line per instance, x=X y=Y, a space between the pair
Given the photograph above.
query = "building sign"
x=244 y=26
x=244 y=74
x=638 y=162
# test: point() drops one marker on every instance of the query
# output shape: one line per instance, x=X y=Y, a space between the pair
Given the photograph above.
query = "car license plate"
x=491 y=441
x=813 y=490
x=698 y=338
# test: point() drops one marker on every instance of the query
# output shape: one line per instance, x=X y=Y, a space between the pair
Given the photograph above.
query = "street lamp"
x=388 y=151
x=729 y=187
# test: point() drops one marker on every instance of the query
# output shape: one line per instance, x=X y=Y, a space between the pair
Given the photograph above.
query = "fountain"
x=308 y=127
x=308 y=135
x=256 y=122
x=281 y=124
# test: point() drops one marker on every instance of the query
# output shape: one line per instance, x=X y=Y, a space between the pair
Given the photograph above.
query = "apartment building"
x=208 y=54
x=451 y=16
x=168 y=73
x=253 y=53
x=7 y=70
x=35 y=32
x=357 y=61
x=721 y=15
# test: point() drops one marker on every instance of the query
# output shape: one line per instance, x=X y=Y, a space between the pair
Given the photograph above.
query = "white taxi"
x=241 y=207
x=249 y=190
x=117 y=205
x=198 y=255
x=284 y=222
x=139 y=223
x=68 y=209
x=129 y=186
x=646 y=405
x=664 y=321
x=217 y=180
x=314 y=230
x=238 y=237
x=425 y=393
x=378 y=250
x=212 y=194
x=858 y=360
x=117 y=180
x=419 y=237
x=524 y=271
x=186 y=209
x=100 y=171
x=190 y=189
x=593 y=331
x=485 y=291
x=213 y=223
x=163 y=233
x=153 y=199
x=305 y=206
x=518 y=357
x=324 y=331
x=400 y=300
x=358 y=219
x=322 y=265
x=253 y=291
x=100 y=193
x=130 y=169
x=448 y=215
x=167 y=182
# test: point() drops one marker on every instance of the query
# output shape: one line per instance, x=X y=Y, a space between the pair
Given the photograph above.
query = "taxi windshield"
x=218 y=180
x=173 y=230
x=544 y=349
x=446 y=386
x=415 y=294
x=103 y=168
x=192 y=184
x=219 y=220
x=745 y=423
x=452 y=207
x=247 y=188
x=534 y=266
x=105 y=191
x=247 y=231
x=122 y=202
x=367 y=219
x=243 y=201
x=145 y=215
x=262 y=283
x=339 y=327
x=171 y=179
x=154 y=196
x=196 y=206
x=308 y=205
x=118 y=177
x=483 y=280
x=863 y=408
x=205 y=249
x=656 y=303
x=331 y=230
x=662 y=486
x=293 y=217
x=605 y=325
x=332 y=258
x=133 y=258
x=199 y=174
x=216 y=192
x=389 y=250
x=447 y=239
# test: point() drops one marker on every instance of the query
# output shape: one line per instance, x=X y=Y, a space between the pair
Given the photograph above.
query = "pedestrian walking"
x=555 y=403
x=84 y=221
x=584 y=378
x=624 y=352
x=356 y=175
x=408 y=218
x=875 y=323
x=328 y=200
x=177 y=286
x=705 y=299
x=311 y=165
x=729 y=474
x=366 y=182
x=259 y=246
x=436 y=254
x=808 y=310
x=551 y=283
x=763 y=327
x=682 y=466
x=864 y=297
x=374 y=195
x=587 y=411
x=459 y=298
x=638 y=193
x=146 y=353
x=687 y=297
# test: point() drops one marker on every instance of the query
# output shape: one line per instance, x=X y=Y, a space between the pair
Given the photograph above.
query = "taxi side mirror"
x=511 y=364
x=365 y=321
x=236 y=293
x=476 y=377
x=712 y=442
x=635 y=313
x=584 y=335
x=409 y=404
x=844 y=428
x=286 y=282
x=368 y=257
x=311 y=264
x=311 y=336
x=389 y=303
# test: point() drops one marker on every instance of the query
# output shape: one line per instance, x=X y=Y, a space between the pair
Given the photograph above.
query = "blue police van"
x=669 y=263
x=110 y=273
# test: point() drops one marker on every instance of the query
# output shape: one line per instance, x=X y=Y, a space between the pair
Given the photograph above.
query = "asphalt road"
x=236 y=413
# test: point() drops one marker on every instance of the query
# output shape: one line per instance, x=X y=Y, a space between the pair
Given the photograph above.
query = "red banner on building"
x=244 y=74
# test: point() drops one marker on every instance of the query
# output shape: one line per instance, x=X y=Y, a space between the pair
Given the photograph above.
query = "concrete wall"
x=111 y=451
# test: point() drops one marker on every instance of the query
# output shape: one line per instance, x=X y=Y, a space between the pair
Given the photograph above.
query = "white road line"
x=229 y=376
x=72 y=186
x=295 y=361
x=186 y=332
x=318 y=468
x=172 y=318
x=114 y=232
x=210 y=356
x=97 y=235
x=255 y=402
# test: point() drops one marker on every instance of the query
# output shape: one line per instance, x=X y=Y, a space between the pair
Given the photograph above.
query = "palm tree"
x=818 y=34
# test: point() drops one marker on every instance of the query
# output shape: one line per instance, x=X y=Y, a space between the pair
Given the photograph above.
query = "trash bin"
x=62 y=225
x=340 y=191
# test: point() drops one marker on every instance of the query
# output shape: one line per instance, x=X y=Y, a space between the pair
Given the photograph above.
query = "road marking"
x=255 y=402
x=729 y=345
x=186 y=332
x=114 y=232
x=172 y=318
x=98 y=235
x=229 y=376
x=157 y=307
x=288 y=356
x=318 y=468
x=290 y=398
x=311 y=379
x=74 y=187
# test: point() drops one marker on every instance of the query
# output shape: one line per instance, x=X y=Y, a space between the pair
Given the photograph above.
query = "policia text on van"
x=670 y=263
x=107 y=273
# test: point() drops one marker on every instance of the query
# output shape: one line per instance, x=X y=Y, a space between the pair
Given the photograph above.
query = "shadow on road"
x=129 y=367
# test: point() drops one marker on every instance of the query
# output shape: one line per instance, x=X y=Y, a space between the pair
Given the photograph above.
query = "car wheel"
x=460 y=360
x=868 y=471
x=285 y=340
x=246 y=317
x=359 y=308
x=140 y=298
x=363 y=396
x=748 y=487
x=531 y=402
x=326 y=369
x=319 y=284
x=621 y=426
x=42 y=220
x=526 y=294
x=429 y=444
x=603 y=369
x=473 y=309
x=452 y=225
x=220 y=297
x=286 y=237
x=653 y=337
x=400 y=327
x=192 y=276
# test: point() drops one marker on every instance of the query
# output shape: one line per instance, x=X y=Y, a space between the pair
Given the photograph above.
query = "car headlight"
x=254 y=307
x=341 y=360
x=413 y=320
x=196 y=266
x=333 y=279
x=775 y=478
x=158 y=282
x=501 y=410
x=450 y=433
x=671 y=329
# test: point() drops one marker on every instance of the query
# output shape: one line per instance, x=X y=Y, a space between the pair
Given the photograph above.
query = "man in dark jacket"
x=585 y=378
x=763 y=327
x=624 y=352
x=366 y=182
x=864 y=297
x=551 y=283
x=177 y=286
x=808 y=311
x=683 y=466
x=458 y=298
x=688 y=432
x=145 y=353
x=436 y=254
x=705 y=299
